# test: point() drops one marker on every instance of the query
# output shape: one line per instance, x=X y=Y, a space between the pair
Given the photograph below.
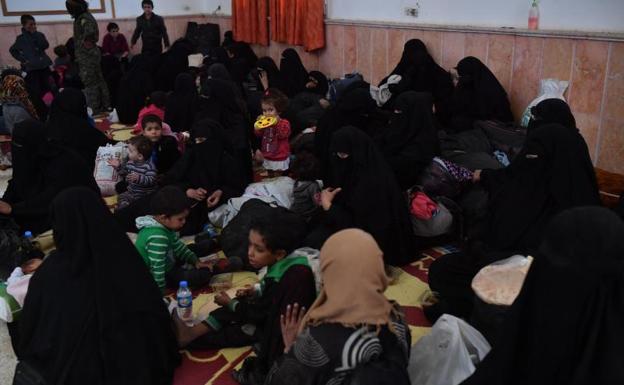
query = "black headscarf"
x=410 y=142
x=565 y=327
x=182 y=103
x=276 y=79
x=172 y=63
x=219 y=71
x=293 y=72
x=552 y=173
x=478 y=96
x=552 y=111
x=69 y=126
x=419 y=72
x=116 y=322
x=135 y=86
x=242 y=61
x=371 y=194
x=322 y=85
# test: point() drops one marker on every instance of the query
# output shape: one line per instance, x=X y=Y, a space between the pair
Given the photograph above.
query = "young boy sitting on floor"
x=254 y=316
x=139 y=172
x=168 y=258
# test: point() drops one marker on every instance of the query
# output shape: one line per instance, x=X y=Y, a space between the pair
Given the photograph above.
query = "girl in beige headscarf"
x=351 y=324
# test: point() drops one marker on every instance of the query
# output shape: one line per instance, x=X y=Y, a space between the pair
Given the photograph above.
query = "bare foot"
x=186 y=334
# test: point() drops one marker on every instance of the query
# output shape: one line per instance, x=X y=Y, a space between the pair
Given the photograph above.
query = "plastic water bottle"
x=534 y=16
x=185 y=303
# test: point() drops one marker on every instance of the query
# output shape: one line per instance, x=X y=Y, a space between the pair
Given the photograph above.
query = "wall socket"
x=412 y=11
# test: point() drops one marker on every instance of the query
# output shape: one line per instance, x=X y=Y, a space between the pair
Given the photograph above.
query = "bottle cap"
x=183 y=284
x=28 y=234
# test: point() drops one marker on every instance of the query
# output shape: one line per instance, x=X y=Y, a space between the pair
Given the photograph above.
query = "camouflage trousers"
x=95 y=88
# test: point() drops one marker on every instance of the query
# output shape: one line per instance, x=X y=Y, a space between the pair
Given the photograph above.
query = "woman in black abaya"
x=182 y=103
x=410 y=142
x=209 y=172
x=267 y=69
x=420 y=73
x=477 y=96
x=134 y=88
x=293 y=72
x=363 y=193
x=41 y=170
x=93 y=313
x=69 y=126
x=565 y=327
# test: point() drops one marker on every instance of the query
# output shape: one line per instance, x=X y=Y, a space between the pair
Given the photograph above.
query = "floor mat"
x=408 y=287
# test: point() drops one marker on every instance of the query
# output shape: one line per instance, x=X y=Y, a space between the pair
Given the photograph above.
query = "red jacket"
x=114 y=47
x=275 y=145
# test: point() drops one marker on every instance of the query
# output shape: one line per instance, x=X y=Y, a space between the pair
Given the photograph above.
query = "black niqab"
x=117 y=322
x=410 y=142
x=293 y=72
x=276 y=79
x=478 y=96
x=552 y=111
x=371 y=194
x=565 y=327
x=322 y=85
x=182 y=103
x=68 y=125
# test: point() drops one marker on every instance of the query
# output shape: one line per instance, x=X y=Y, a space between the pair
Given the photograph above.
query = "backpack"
x=338 y=86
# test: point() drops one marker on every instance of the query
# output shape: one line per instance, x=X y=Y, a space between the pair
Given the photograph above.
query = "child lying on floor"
x=168 y=258
x=254 y=316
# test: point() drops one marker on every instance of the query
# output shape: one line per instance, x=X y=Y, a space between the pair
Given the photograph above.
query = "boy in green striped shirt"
x=167 y=257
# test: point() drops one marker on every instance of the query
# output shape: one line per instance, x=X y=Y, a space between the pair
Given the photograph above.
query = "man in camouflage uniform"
x=88 y=56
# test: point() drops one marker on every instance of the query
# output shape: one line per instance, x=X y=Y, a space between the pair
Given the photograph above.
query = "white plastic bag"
x=105 y=175
x=448 y=355
x=549 y=89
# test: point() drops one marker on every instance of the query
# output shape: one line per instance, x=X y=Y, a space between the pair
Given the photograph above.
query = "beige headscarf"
x=354 y=281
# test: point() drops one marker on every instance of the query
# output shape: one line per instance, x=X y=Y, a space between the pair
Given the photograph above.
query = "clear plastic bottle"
x=185 y=303
x=534 y=16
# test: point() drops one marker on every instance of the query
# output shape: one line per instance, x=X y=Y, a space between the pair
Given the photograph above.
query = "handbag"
x=26 y=373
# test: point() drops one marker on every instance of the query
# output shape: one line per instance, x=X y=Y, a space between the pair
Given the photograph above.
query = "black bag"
x=506 y=137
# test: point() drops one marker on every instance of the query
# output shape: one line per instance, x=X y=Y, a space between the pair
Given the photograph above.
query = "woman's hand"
x=264 y=80
x=197 y=194
x=222 y=299
x=5 y=208
x=327 y=197
x=476 y=176
x=214 y=198
x=290 y=323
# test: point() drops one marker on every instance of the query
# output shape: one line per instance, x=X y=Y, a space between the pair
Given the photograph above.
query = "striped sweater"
x=160 y=248
x=147 y=178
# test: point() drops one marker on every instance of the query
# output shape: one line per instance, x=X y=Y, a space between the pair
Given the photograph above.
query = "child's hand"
x=327 y=197
x=214 y=198
x=132 y=177
x=246 y=291
x=115 y=163
x=289 y=324
x=205 y=265
x=222 y=299
x=258 y=156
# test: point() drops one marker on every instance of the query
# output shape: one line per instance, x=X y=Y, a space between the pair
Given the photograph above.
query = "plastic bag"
x=105 y=175
x=549 y=89
x=448 y=355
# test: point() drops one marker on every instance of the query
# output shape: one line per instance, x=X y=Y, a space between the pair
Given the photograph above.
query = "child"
x=307 y=189
x=254 y=316
x=62 y=57
x=165 y=151
x=155 y=106
x=115 y=43
x=30 y=50
x=139 y=171
x=163 y=252
x=275 y=148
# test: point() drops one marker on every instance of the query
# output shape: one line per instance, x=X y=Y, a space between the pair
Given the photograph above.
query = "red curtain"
x=298 y=22
x=249 y=21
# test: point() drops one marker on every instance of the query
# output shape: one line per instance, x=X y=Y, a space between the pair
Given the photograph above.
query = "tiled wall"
x=594 y=68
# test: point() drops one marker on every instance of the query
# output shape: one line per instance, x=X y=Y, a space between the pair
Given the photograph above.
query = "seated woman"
x=411 y=141
x=114 y=331
x=364 y=193
x=134 y=88
x=254 y=316
x=182 y=103
x=16 y=104
x=565 y=325
x=552 y=173
x=41 y=170
x=420 y=73
x=293 y=72
x=69 y=126
x=345 y=331
x=478 y=95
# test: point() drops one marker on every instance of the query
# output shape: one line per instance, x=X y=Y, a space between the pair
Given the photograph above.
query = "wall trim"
x=6 y=12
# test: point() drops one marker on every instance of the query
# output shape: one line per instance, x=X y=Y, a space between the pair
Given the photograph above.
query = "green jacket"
x=86 y=29
x=160 y=248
